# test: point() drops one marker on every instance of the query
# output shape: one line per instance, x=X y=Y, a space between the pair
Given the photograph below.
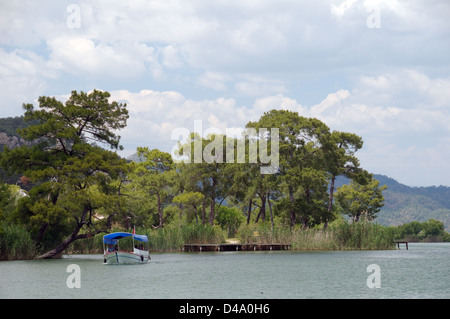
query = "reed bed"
x=172 y=238
x=15 y=243
x=344 y=236
x=166 y=239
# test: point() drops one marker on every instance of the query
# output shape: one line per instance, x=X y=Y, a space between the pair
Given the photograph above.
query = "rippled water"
x=423 y=271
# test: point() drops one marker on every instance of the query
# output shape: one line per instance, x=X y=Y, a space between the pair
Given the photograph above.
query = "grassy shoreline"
x=358 y=236
x=341 y=236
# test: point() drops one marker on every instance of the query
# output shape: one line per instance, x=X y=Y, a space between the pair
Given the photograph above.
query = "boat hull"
x=122 y=257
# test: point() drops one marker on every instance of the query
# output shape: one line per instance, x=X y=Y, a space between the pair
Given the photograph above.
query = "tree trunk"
x=262 y=210
x=249 y=210
x=196 y=216
x=213 y=202
x=212 y=211
x=308 y=212
x=58 y=250
x=41 y=233
x=74 y=236
x=160 y=214
x=204 y=211
x=291 y=197
x=330 y=201
x=270 y=208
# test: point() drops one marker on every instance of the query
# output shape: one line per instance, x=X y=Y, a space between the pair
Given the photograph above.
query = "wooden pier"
x=234 y=247
x=401 y=242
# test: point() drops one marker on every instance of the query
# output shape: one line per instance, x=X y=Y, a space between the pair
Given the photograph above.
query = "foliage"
x=339 y=236
x=431 y=230
x=80 y=189
x=15 y=242
x=172 y=237
x=10 y=125
x=152 y=178
x=230 y=218
x=206 y=172
x=361 y=199
x=363 y=235
x=191 y=200
x=310 y=157
x=264 y=233
x=6 y=198
x=73 y=178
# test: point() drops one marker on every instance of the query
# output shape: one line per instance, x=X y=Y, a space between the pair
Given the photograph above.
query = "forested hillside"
x=9 y=125
x=10 y=137
x=404 y=204
x=8 y=132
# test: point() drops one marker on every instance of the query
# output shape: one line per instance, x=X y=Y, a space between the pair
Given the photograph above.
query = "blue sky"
x=379 y=69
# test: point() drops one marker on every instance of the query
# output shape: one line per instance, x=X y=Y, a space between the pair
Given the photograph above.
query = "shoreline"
x=69 y=255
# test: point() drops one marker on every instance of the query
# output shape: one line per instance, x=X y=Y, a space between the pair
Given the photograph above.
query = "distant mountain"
x=134 y=158
x=404 y=204
x=8 y=132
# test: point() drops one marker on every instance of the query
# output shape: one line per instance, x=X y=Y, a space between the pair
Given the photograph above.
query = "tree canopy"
x=73 y=176
x=283 y=170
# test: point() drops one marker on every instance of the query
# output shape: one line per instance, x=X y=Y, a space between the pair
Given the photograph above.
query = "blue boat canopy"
x=115 y=237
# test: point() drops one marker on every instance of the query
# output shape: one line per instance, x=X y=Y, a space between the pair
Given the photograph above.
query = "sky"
x=379 y=69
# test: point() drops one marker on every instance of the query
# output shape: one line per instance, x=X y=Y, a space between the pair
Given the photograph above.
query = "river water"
x=422 y=271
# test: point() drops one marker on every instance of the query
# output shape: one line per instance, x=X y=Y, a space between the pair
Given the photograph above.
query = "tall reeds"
x=342 y=236
x=166 y=239
x=172 y=238
x=15 y=243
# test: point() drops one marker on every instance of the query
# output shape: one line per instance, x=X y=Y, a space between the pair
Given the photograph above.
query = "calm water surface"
x=423 y=271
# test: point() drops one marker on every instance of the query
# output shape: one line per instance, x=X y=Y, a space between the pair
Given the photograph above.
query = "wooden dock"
x=234 y=247
x=401 y=242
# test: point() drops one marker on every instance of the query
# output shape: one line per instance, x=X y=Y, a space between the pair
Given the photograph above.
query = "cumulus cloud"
x=403 y=119
x=85 y=57
x=227 y=62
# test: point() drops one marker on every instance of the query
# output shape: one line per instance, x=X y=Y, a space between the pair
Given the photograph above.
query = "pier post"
x=401 y=242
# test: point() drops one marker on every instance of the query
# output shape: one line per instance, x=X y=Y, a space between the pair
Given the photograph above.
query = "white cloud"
x=339 y=10
x=23 y=77
x=179 y=61
x=278 y=101
x=410 y=136
x=82 y=56
x=258 y=86
x=214 y=80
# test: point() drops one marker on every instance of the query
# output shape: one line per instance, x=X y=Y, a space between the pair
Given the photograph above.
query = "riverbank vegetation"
x=78 y=188
x=429 y=231
x=339 y=236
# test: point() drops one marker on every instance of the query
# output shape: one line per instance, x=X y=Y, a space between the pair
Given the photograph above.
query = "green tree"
x=301 y=171
x=339 y=159
x=230 y=218
x=250 y=186
x=73 y=177
x=357 y=200
x=433 y=228
x=154 y=176
x=6 y=198
x=410 y=229
x=190 y=199
x=206 y=171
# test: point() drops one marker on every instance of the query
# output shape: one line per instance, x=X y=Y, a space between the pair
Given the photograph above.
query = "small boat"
x=113 y=255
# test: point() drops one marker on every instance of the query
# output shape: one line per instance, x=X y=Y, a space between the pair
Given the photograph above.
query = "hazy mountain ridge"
x=404 y=204
x=8 y=132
